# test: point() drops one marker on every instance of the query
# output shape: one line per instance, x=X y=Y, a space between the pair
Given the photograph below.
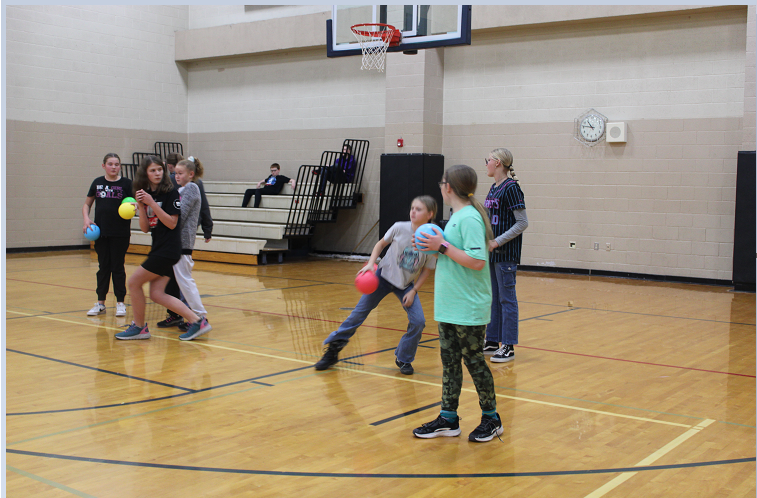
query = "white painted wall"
x=650 y=70
x=295 y=91
x=95 y=65
x=206 y=16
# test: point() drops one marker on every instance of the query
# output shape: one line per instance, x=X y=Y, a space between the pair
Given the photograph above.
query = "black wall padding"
x=744 y=245
x=403 y=178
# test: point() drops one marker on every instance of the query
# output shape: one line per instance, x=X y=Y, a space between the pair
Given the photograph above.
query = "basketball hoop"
x=374 y=39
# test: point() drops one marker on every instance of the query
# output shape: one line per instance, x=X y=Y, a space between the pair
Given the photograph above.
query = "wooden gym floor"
x=619 y=388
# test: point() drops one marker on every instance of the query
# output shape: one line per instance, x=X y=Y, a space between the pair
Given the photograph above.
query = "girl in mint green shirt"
x=462 y=306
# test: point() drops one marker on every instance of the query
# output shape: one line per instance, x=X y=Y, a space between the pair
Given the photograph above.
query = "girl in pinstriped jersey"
x=507 y=211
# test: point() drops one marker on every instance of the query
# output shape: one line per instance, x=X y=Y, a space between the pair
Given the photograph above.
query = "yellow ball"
x=127 y=210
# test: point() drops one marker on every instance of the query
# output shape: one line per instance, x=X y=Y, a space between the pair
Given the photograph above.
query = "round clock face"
x=592 y=128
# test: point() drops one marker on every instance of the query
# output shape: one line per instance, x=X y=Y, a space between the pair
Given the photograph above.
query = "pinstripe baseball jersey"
x=500 y=202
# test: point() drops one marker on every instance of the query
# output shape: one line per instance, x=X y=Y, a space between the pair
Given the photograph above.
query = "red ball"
x=367 y=282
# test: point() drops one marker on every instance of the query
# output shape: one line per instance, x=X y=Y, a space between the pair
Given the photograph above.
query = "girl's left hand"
x=493 y=245
x=433 y=240
x=408 y=298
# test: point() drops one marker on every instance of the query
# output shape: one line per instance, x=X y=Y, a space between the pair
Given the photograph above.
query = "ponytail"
x=463 y=180
x=194 y=165
x=505 y=158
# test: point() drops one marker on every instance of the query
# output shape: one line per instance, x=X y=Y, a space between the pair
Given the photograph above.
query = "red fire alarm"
x=400 y=142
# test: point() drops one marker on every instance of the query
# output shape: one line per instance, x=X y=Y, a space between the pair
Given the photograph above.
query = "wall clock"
x=590 y=128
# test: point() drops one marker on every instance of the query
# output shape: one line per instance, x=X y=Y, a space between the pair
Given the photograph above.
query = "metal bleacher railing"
x=309 y=206
x=162 y=149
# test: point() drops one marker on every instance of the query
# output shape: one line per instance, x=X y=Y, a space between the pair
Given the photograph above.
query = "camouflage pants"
x=463 y=342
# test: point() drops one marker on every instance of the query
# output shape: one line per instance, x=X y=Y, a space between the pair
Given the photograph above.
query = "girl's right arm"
x=459 y=256
x=85 y=212
x=380 y=245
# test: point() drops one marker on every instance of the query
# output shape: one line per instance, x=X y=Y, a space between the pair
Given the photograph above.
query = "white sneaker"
x=97 y=309
x=120 y=309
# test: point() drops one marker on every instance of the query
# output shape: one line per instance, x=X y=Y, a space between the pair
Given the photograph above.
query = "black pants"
x=172 y=289
x=111 y=254
x=334 y=174
x=257 y=192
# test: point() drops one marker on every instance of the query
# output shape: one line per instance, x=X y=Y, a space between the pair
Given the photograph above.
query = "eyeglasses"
x=442 y=183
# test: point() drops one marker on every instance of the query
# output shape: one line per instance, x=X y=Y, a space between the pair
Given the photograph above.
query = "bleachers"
x=250 y=235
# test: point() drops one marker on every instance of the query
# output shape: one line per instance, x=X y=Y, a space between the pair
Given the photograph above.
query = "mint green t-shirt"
x=463 y=296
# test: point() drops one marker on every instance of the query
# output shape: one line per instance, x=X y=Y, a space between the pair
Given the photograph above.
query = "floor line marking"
x=48 y=482
x=127 y=417
x=638 y=362
x=47 y=317
x=110 y=372
x=319 y=282
x=222 y=470
x=376 y=374
x=617 y=481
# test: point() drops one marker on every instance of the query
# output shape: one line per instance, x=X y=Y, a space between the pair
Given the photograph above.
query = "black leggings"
x=111 y=254
x=172 y=289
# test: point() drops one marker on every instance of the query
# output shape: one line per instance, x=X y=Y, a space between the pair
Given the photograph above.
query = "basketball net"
x=374 y=39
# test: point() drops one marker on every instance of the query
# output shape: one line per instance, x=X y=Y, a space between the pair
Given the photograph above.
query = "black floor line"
x=114 y=405
x=548 y=314
x=382 y=476
x=405 y=414
x=119 y=374
x=190 y=391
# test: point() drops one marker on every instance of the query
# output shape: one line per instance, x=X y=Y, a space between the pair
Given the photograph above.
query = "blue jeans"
x=416 y=321
x=504 y=323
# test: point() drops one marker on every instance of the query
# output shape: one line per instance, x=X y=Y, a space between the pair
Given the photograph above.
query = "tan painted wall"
x=49 y=168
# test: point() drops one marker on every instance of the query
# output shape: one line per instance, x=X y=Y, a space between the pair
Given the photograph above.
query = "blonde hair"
x=505 y=158
x=429 y=202
x=194 y=165
x=462 y=180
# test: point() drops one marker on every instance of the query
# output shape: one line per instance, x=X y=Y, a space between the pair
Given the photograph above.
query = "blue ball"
x=93 y=232
x=428 y=228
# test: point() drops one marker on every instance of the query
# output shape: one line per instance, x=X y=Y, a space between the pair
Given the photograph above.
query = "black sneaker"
x=405 y=368
x=489 y=427
x=438 y=428
x=183 y=326
x=504 y=354
x=490 y=347
x=170 y=321
x=330 y=355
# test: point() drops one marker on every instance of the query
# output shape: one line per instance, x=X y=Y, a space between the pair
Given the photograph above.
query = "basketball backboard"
x=422 y=26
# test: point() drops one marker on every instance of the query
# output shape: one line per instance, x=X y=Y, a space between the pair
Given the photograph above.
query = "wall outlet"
x=608 y=247
x=572 y=245
x=596 y=246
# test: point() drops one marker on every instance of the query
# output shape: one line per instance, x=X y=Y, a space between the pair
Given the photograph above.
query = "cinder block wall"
x=682 y=78
x=665 y=199
x=81 y=82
